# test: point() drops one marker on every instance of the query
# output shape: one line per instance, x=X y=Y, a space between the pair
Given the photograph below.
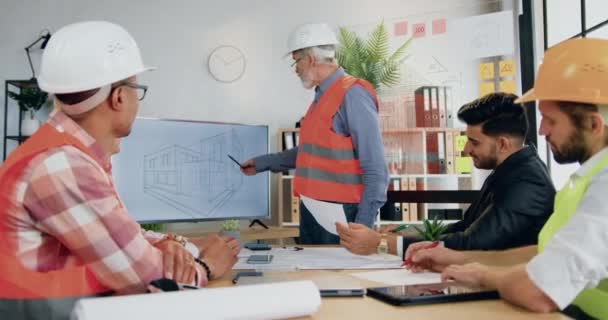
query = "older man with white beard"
x=340 y=157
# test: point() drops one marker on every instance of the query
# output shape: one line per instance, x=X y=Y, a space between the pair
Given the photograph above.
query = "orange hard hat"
x=574 y=70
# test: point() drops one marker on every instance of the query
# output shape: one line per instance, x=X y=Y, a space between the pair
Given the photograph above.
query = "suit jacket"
x=514 y=203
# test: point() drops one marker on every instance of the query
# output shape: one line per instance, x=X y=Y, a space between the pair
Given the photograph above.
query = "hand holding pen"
x=431 y=256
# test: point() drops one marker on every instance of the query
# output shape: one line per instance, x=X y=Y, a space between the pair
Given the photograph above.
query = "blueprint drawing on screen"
x=171 y=170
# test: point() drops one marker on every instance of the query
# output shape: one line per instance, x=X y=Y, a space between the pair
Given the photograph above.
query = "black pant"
x=312 y=232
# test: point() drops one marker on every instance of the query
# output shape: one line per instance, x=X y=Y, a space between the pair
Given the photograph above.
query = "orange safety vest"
x=327 y=167
x=16 y=281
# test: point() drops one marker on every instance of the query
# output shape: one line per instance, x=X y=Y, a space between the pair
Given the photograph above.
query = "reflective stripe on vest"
x=327 y=167
x=343 y=178
x=16 y=281
x=593 y=301
x=324 y=152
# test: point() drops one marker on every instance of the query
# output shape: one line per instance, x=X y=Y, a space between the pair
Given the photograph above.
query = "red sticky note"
x=439 y=26
x=401 y=28
x=419 y=30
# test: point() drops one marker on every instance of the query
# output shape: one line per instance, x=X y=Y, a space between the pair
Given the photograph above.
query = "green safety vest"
x=593 y=301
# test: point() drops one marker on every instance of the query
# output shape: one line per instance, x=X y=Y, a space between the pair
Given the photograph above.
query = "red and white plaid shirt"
x=68 y=214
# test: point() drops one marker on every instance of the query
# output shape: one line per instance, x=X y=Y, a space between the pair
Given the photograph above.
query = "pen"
x=400 y=228
x=430 y=246
x=293 y=248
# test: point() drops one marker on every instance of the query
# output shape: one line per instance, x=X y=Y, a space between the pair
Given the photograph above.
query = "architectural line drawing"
x=195 y=179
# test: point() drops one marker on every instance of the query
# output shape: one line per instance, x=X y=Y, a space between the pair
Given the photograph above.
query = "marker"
x=233 y=159
x=400 y=228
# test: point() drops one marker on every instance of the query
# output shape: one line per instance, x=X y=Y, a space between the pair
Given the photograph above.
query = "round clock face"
x=227 y=63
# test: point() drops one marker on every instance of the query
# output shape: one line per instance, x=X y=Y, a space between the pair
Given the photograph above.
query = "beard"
x=574 y=150
x=489 y=162
x=306 y=79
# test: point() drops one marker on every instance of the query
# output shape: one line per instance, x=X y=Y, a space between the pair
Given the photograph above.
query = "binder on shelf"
x=405 y=206
x=441 y=152
x=295 y=207
x=432 y=153
x=434 y=107
x=392 y=211
x=442 y=107
x=297 y=136
x=288 y=140
x=449 y=152
x=419 y=107
x=449 y=108
x=413 y=205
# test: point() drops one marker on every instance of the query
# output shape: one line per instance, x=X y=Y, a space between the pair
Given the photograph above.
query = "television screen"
x=172 y=171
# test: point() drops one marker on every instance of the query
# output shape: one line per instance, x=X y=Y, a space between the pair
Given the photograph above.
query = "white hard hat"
x=310 y=35
x=89 y=55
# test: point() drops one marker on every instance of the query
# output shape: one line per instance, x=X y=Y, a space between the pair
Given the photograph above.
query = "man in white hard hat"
x=340 y=156
x=61 y=220
x=569 y=267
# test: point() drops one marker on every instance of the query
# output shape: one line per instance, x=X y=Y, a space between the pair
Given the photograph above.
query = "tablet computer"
x=429 y=293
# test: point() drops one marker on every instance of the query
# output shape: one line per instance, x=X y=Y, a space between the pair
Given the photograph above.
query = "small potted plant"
x=231 y=228
x=30 y=100
x=433 y=229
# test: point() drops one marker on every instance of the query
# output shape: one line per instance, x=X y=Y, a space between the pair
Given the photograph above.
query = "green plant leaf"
x=399 y=54
x=377 y=45
x=29 y=98
x=369 y=59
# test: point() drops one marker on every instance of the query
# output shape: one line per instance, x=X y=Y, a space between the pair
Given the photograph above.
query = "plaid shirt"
x=68 y=214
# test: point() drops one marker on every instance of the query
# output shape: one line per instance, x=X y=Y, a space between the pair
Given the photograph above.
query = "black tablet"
x=429 y=293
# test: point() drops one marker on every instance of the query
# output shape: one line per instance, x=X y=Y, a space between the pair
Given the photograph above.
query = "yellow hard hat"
x=574 y=70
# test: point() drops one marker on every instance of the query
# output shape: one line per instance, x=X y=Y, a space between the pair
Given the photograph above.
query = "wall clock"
x=227 y=63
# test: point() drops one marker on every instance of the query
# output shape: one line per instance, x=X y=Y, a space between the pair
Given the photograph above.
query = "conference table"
x=370 y=308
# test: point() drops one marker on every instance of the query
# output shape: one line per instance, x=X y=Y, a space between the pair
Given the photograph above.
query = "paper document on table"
x=266 y=301
x=287 y=259
x=326 y=213
x=399 y=277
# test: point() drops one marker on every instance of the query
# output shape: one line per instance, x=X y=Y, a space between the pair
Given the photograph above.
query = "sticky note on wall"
x=419 y=30
x=485 y=88
x=463 y=164
x=508 y=86
x=439 y=26
x=507 y=68
x=460 y=142
x=486 y=71
x=400 y=28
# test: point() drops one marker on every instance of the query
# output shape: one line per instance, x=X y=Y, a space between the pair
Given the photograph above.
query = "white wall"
x=177 y=37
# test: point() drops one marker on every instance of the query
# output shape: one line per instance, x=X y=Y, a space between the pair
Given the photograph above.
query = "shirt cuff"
x=400 y=246
x=552 y=277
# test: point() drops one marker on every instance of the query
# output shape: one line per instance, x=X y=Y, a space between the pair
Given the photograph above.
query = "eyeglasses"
x=296 y=61
x=141 y=89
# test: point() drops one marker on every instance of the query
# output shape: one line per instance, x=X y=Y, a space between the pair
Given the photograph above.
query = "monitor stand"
x=257 y=221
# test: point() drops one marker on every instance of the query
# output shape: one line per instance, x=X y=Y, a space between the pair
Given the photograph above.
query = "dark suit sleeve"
x=513 y=219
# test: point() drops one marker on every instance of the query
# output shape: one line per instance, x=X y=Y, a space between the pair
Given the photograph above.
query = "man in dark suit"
x=515 y=200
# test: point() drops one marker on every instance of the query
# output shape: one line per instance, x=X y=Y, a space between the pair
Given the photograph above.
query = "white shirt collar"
x=590 y=163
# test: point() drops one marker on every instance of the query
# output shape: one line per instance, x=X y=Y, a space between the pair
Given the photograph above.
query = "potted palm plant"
x=30 y=100
x=371 y=59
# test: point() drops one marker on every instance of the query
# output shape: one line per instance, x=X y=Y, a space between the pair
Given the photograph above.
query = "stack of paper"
x=399 y=277
x=318 y=258
x=266 y=301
